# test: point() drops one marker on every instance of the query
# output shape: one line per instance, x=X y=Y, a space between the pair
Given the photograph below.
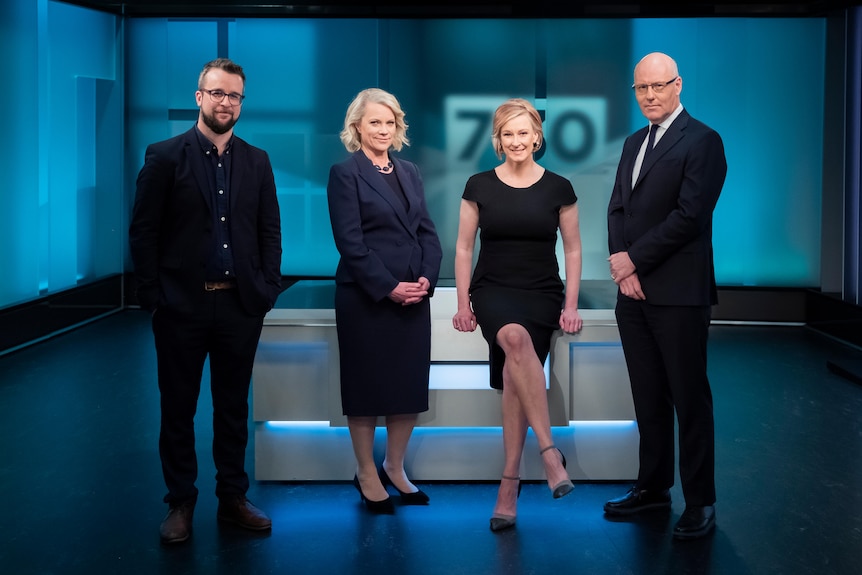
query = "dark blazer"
x=380 y=242
x=664 y=222
x=171 y=229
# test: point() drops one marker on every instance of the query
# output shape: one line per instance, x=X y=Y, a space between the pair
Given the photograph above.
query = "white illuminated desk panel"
x=301 y=433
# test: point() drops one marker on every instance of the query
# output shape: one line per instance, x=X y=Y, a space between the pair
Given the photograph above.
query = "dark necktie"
x=650 y=140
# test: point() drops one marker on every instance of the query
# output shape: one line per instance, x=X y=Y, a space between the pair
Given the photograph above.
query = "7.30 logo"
x=574 y=130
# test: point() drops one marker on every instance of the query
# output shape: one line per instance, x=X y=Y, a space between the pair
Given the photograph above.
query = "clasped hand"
x=623 y=273
x=409 y=293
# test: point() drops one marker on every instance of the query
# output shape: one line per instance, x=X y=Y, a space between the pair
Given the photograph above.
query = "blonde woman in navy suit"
x=389 y=265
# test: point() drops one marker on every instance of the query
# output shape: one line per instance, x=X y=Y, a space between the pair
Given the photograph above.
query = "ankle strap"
x=551 y=446
x=512 y=478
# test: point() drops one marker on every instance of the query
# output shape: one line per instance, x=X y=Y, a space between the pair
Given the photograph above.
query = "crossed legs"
x=524 y=404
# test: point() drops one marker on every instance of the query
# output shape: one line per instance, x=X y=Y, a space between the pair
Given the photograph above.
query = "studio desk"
x=300 y=433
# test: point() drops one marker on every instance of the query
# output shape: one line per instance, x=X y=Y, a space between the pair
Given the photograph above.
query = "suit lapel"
x=238 y=162
x=376 y=182
x=630 y=156
x=406 y=185
x=674 y=134
x=197 y=161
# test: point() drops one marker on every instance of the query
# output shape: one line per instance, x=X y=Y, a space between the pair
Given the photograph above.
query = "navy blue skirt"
x=384 y=353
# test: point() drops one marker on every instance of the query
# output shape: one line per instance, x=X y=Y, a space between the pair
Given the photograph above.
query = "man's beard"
x=214 y=125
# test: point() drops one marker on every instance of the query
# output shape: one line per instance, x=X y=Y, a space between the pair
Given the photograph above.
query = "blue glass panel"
x=187 y=45
x=20 y=195
x=67 y=169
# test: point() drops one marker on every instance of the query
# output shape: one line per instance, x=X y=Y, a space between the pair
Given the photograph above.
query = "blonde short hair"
x=350 y=135
x=225 y=64
x=509 y=110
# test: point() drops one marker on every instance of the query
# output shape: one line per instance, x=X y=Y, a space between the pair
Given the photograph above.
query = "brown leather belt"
x=213 y=286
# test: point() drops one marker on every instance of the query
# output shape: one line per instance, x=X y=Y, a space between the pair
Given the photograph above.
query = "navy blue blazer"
x=664 y=221
x=380 y=242
x=171 y=233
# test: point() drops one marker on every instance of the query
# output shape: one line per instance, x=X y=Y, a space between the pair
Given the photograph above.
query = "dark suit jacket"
x=664 y=222
x=380 y=242
x=171 y=229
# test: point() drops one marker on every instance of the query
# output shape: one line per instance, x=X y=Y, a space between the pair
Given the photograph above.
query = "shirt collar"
x=666 y=124
x=208 y=146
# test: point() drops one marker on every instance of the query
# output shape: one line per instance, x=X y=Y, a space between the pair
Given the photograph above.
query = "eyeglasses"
x=658 y=87
x=217 y=96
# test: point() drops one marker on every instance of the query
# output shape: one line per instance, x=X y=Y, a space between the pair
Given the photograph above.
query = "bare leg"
x=524 y=376
x=514 y=436
x=399 y=428
x=362 y=436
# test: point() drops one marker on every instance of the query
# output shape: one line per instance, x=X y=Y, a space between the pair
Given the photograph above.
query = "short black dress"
x=517 y=277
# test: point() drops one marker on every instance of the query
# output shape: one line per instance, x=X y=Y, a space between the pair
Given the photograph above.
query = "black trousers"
x=220 y=329
x=666 y=354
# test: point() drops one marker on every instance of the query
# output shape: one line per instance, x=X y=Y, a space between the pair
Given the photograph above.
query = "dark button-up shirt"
x=220 y=262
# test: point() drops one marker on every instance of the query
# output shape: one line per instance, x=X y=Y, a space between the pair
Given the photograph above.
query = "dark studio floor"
x=83 y=487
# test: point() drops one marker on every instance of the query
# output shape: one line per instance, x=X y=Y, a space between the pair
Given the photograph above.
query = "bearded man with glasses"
x=205 y=239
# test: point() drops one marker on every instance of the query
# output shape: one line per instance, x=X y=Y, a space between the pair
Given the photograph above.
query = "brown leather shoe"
x=176 y=527
x=240 y=511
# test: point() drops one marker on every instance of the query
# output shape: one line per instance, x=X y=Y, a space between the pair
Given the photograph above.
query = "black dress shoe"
x=240 y=511
x=176 y=527
x=637 y=501
x=695 y=522
x=417 y=497
x=382 y=507
x=500 y=522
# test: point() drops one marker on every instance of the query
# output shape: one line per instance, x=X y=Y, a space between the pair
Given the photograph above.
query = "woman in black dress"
x=515 y=293
x=390 y=261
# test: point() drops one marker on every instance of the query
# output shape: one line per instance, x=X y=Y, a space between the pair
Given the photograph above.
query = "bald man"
x=668 y=181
